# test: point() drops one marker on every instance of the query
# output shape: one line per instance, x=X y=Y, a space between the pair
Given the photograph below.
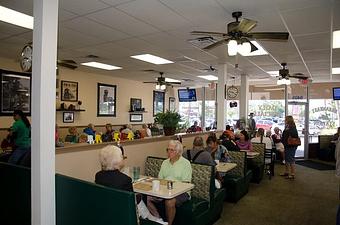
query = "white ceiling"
x=117 y=29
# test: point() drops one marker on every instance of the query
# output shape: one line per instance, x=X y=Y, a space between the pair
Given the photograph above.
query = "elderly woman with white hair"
x=175 y=168
x=111 y=160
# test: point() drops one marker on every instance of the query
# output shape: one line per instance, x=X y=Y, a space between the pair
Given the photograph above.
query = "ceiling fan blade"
x=173 y=83
x=299 y=76
x=70 y=66
x=221 y=42
x=272 y=36
x=246 y=25
x=70 y=61
x=220 y=34
x=150 y=82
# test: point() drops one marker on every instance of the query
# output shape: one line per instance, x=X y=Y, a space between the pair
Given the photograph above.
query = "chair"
x=257 y=164
x=269 y=162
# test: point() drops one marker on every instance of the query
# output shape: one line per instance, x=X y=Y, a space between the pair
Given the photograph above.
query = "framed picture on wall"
x=172 y=104
x=158 y=102
x=135 y=104
x=136 y=117
x=106 y=100
x=68 y=117
x=69 y=91
x=15 y=92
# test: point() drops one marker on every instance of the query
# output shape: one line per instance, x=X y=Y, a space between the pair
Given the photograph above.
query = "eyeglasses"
x=170 y=150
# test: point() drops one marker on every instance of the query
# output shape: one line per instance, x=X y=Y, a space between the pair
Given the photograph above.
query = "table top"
x=250 y=155
x=225 y=167
x=144 y=186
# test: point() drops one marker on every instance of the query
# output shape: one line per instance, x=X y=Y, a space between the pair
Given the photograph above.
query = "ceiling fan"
x=238 y=33
x=68 y=63
x=284 y=75
x=161 y=82
x=210 y=69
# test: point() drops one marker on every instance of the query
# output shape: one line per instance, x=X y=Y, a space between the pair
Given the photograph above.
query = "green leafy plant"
x=168 y=119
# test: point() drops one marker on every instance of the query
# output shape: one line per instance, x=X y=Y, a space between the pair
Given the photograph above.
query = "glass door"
x=299 y=113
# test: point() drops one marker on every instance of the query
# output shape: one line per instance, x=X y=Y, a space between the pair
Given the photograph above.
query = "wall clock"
x=232 y=92
x=26 y=58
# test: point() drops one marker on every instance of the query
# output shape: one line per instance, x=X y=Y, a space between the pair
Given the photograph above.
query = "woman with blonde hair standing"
x=289 y=132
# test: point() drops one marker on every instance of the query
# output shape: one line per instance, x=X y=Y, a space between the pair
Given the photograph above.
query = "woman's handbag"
x=294 y=141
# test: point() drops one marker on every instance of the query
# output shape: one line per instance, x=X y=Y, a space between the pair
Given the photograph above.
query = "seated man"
x=199 y=154
x=90 y=130
x=111 y=160
x=194 y=128
x=174 y=168
x=228 y=141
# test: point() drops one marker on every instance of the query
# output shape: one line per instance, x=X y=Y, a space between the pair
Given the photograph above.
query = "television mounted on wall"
x=187 y=95
x=336 y=93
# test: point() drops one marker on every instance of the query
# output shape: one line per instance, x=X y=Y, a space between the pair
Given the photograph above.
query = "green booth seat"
x=77 y=201
x=236 y=181
x=206 y=203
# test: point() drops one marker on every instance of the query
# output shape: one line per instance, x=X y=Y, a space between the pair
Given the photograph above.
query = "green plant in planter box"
x=170 y=121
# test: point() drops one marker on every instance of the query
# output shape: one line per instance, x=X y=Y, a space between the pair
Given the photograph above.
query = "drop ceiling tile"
x=83 y=7
x=317 y=55
x=93 y=29
x=64 y=15
x=138 y=46
x=116 y=2
x=292 y=5
x=314 y=41
x=124 y=22
x=308 y=20
x=261 y=60
x=166 y=41
x=248 y=8
x=70 y=39
x=11 y=30
x=154 y=13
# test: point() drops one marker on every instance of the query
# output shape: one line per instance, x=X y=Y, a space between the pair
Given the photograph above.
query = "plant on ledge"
x=170 y=121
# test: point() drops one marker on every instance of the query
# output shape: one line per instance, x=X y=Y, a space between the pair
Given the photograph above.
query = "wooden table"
x=250 y=155
x=225 y=167
x=144 y=186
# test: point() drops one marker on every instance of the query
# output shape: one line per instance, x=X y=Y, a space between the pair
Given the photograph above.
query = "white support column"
x=220 y=99
x=244 y=91
x=286 y=100
x=203 y=125
x=43 y=111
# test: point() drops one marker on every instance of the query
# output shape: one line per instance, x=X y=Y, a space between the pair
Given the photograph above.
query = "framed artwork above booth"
x=69 y=91
x=106 y=100
x=158 y=102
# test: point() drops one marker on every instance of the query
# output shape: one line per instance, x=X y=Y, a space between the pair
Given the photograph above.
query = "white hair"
x=110 y=157
x=178 y=146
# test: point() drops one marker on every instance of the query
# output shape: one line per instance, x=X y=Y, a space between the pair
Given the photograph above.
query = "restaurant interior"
x=212 y=62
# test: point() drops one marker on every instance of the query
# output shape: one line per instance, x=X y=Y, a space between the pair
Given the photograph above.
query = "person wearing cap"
x=251 y=125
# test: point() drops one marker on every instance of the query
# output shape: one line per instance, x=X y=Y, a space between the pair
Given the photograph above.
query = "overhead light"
x=158 y=87
x=209 y=77
x=171 y=80
x=232 y=47
x=101 y=66
x=274 y=73
x=17 y=18
x=244 y=48
x=163 y=87
x=260 y=50
x=151 y=59
x=336 y=70
x=336 y=39
x=283 y=81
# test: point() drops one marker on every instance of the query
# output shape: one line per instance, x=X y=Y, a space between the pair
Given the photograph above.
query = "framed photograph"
x=172 y=104
x=158 y=102
x=135 y=104
x=15 y=92
x=136 y=117
x=68 y=117
x=69 y=91
x=106 y=100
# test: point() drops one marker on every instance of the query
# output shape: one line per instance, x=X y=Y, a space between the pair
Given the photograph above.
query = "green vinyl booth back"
x=15 y=189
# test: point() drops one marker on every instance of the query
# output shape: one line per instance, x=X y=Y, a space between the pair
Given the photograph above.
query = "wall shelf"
x=70 y=110
x=138 y=111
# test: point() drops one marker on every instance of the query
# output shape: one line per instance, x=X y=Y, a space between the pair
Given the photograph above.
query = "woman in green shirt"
x=21 y=133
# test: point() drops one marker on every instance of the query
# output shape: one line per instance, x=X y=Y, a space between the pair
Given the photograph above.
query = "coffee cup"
x=217 y=161
x=156 y=185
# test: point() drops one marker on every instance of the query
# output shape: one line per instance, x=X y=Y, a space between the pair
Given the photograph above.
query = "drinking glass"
x=136 y=172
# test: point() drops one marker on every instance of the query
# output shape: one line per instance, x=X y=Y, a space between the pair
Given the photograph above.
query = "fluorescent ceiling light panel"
x=101 y=66
x=171 y=80
x=152 y=59
x=336 y=39
x=274 y=73
x=209 y=77
x=336 y=70
x=17 y=18
x=259 y=51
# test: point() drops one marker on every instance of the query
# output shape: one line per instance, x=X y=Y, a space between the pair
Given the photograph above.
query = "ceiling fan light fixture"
x=158 y=87
x=260 y=50
x=163 y=87
x=232 y=48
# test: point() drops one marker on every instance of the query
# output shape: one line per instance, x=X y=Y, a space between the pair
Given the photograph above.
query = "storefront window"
x=191 y=112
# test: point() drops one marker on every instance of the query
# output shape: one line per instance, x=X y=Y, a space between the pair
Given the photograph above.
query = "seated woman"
x=124 y=133
x=90 y=130
x=244 y=143
x=108 y=135
x=260 y=138
x=194 y=128
x=72 y=136
x=111 y=160
x=145 y=131
x=217 y=151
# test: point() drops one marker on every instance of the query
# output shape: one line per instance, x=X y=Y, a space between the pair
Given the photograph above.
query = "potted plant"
x=170 y=121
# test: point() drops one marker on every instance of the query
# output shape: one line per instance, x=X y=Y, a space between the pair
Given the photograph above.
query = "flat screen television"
x=187 y=95
x=336 y=93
